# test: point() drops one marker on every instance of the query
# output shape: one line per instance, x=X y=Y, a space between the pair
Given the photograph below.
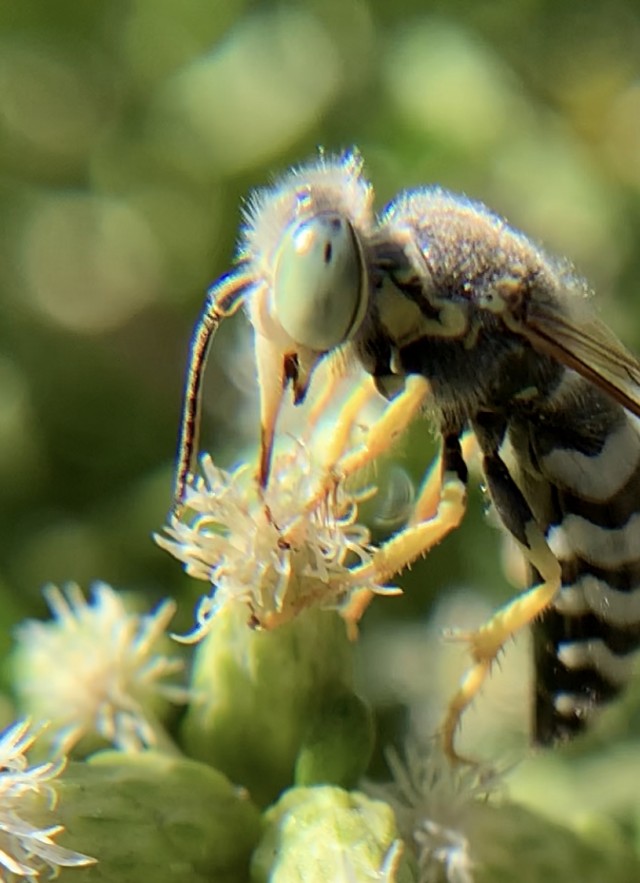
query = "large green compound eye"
x=320 y=285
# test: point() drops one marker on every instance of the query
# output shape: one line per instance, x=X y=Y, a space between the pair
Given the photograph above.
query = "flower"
x=326 y=833
x=280 y=551
x=95 y=669
x=26 y=848
x=434 y=804
x=386 y=873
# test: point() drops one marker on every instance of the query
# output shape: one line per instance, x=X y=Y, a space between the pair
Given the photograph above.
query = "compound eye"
x=320 y=285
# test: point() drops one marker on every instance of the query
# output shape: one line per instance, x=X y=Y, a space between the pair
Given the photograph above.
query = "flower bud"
x=325 y=833
x=338 y=744
x=151 y=816
x=255 y=693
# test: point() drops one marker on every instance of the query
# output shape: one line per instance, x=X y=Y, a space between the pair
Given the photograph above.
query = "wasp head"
x=304 y=243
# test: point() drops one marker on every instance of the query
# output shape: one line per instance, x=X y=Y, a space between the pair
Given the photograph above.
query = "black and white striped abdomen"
x=585 y=646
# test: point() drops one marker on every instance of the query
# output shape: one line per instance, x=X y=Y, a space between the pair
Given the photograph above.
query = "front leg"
x=419 y=536
x=486 y=642
x=380 y=436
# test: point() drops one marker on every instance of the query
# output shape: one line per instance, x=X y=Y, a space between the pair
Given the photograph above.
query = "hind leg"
x=486 y=642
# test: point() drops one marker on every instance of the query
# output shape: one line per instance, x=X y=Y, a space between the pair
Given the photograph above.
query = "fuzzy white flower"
x=26 y=849
x=279 y=552
x=95 y=669
x=434 y=803
x=387 y=873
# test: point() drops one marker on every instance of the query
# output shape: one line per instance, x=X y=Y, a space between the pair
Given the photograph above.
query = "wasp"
x=450 y=309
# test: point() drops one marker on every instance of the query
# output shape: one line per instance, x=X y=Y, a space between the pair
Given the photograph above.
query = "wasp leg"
x=488 y=640
x=379 y=436
x=323 y=401
x=416 y=539
x=426 y=503
x=392 y=423
x=363 y=391
x=344 y=426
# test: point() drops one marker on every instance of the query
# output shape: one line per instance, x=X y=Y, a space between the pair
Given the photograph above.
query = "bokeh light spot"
x=47 y=103
x=622 y=138
x=265 y=85
x=445 y=83
x=547 y=181
x=91 y=262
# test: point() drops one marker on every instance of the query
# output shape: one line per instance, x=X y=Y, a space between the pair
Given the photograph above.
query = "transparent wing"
x=581 y=341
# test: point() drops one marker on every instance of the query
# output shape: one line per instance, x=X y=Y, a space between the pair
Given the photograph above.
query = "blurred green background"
x=130 y=133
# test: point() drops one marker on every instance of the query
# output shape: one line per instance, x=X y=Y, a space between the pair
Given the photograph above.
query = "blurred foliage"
x=130 y=133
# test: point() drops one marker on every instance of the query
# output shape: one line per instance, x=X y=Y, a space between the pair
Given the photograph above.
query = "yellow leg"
x=322 y=401
x=405 y=547
x=426 y=504
x=488 y=640
x=395 y=419
x=347 y=419
x=379 y=437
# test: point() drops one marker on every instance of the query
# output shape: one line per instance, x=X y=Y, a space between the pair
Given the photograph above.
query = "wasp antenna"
x=223 y=299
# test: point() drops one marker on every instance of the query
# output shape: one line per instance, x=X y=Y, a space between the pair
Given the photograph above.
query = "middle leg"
x=444 y=516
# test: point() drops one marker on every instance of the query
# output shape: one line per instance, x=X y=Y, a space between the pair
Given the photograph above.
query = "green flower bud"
x=150 y=816
x=338 y=745
x=510 y=843
x=255 y=693
x=313 y=835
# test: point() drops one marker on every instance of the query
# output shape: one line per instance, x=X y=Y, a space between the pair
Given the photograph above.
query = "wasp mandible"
x=444 y=304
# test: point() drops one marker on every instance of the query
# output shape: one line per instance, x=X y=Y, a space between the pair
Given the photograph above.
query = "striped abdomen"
x=588 y=465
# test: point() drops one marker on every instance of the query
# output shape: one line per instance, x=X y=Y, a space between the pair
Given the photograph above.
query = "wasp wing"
x=581 y=341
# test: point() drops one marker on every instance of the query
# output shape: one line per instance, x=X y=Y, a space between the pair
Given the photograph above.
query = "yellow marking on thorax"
x=405 y=323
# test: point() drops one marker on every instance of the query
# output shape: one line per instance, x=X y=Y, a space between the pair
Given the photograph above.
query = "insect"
x=449 y=308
